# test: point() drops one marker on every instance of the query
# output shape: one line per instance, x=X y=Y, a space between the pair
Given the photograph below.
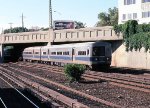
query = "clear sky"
x=36 y=11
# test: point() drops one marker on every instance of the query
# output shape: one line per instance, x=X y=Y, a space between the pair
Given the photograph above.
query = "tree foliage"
x=108 y=19
x=135 y=36
x=16 y=30
x=79 y=24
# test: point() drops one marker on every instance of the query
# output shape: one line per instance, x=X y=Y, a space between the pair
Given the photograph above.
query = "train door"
x=48 y=53
x=73 y=54
x=33 y=53
x=88 y=54
x=40 y=54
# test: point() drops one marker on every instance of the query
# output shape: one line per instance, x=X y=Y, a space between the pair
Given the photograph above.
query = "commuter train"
x=92 y=54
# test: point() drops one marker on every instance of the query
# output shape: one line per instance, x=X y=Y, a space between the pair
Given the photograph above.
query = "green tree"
x=79 y=24
x=16 y=30
x=135 y=35
x=74 y=71
x=108 y=19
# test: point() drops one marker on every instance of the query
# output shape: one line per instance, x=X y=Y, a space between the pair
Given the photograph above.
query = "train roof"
x=78 y=44
x=67 y=45
x=35 y=47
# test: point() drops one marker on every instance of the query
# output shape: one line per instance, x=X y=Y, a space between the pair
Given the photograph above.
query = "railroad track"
x=64 y=87
x=44 y=92
x=6 y=103
x=140 y=83
x=39 y=69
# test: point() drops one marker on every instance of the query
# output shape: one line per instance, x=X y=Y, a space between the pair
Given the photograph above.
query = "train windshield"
x=99 y=51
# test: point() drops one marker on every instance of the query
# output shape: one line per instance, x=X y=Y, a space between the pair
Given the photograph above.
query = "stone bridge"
x=68 y=35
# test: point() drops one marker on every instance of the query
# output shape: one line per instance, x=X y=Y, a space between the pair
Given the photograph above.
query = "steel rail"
x=3 y=102
x=36 y=106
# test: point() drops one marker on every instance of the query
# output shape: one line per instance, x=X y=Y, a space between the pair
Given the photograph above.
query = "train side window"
x=59 y=53
x=81 y=52
x=78 y=52
x=44 y=53
x=28 y=52
x=53 y=53
x=36 y=52
x=66 y=53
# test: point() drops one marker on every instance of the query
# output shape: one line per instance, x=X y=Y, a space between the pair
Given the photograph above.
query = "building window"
x=145 y=14
x=134 y=15
x=129 y=16
x=124 y=16
x=128 y=2
x=143 y=1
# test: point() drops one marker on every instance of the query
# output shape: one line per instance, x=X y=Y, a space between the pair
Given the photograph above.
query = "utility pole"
x=10 y=26
x=50 y=15
x=22 y=17
x=2 y=31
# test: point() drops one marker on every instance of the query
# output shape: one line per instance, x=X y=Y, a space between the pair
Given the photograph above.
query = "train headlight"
x=96 y=59
x=107 y=58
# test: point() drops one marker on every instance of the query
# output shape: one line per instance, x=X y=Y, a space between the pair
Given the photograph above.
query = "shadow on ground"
x=13 y=99
x=124 y=70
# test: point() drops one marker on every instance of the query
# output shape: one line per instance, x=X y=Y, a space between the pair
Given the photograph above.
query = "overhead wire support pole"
x=50 y=15
x=22 y=20
x=10 y=27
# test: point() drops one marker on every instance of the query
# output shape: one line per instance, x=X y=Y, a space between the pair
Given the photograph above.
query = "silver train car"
x=92 y=54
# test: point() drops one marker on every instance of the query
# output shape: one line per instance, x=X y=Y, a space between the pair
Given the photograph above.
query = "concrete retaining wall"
x=135 y=59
